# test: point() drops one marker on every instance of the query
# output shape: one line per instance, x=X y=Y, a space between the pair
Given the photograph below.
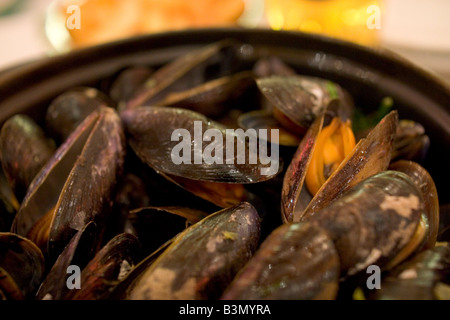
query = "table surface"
x=416 y=29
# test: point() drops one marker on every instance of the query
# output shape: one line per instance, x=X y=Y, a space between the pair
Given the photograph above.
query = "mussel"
x=411 y=141
x=75 y=185
x=78 y=252
x=370 y=156
x=108 y=267
x=202 y=260
x=261 y=119
x=299 y=100
x=295 y=262
x=213 y=98
x=209 y=62
x=8 y=204
x=22 y=267
x=374 y=222
x=156 y=225
x=224 y=174
x=128 y=82
x=24 y=150
x=199 y=154
x=423 y=277
x=70 y=108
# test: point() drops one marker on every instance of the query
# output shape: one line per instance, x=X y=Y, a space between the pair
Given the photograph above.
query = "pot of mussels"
x=224 y=164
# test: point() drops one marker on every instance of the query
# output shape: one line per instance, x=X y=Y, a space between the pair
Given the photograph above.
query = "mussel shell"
x=156 y=225
x=24 y=150
x=417 y=278
x=70 y=108
x=77 y=181
x=370 y=156
x=296 y=172
x=128 y=82
x=373 y=221
x=122 y=290
x=8 y=204
x=261 y=119
x=130 y=194
x=151 y=131
x=295 y=262
x=423 y=180
x=300 y=98
x=213 y=98
x=8 y=287
x=202 y=260
x=411 y=142
x=109 y=266
x=22 y=266
x=157 y=190
x=79 y=251
x=221 y=194
x=187 y=71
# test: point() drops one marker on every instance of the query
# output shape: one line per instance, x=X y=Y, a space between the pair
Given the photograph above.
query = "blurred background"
x=416 y=29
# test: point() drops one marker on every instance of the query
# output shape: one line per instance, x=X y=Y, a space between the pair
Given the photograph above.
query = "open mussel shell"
x=373 y=222
x=213 y=98
x=78 y=252
x=295 y=262
x=156 y=225
x=370 y=156
x=70 y=108
x=108 y=267
x=75 y=185
x=189 y=70
x=122 y=290
x=296 y=172
x=22 y=267
x=301 y=98
x=24 y=150
x=172 y=141
x=202 y=260
x=423 y=180
x=424 y=277
x=220 y=194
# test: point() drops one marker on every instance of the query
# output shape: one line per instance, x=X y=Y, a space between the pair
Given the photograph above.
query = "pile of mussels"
x=95 y=189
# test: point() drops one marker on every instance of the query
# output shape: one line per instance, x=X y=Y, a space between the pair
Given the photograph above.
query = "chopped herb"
x=332 y=90
x=362 y=122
